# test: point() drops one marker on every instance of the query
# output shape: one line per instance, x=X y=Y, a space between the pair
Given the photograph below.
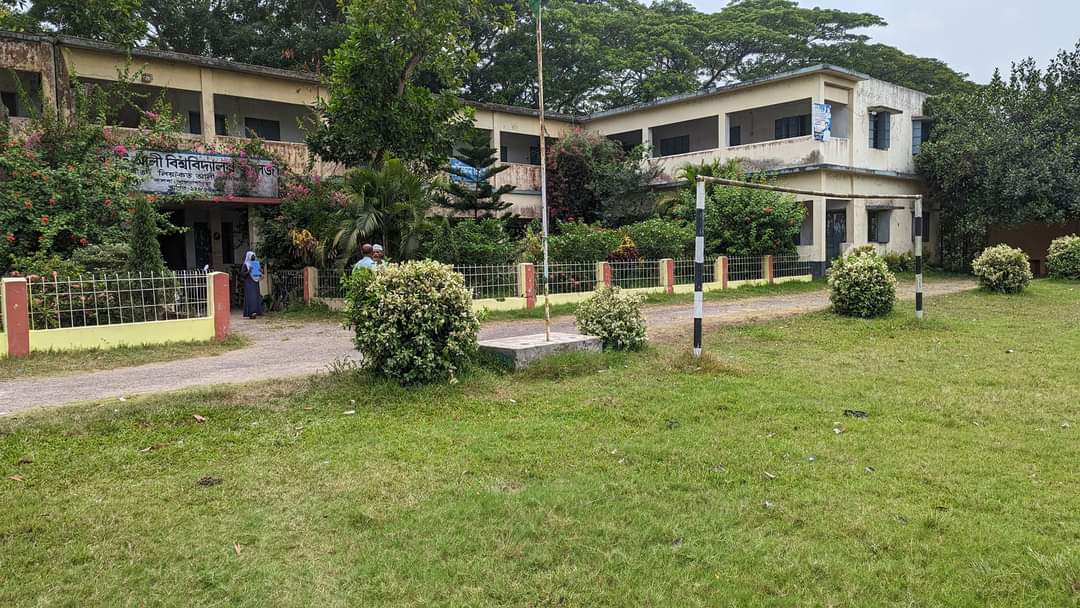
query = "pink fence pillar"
x=603 y=274
x=527 y=284
x=768 y=269
x=722 y=272
x=221 y=306
x=311 y=283
x=16 y=317
x=667 y=274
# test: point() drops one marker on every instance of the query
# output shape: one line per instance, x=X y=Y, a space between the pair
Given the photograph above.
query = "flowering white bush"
x=414 y=321
x=861 y=285
x=1063 y=261
x=1002 y=268
x=614 y=317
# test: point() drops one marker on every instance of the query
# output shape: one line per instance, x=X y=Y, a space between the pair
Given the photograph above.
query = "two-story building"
x=774 y=125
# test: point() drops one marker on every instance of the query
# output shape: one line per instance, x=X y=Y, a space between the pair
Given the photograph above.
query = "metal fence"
x=745 y=267
x=684 y=271
x=93 y=300
x=490 y=281
x=286 y=288
x=567 y=277
x=329 y=284
x=790 y=266
x=635 y=274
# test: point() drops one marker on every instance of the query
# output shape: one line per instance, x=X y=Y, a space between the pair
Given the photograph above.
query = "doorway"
x=835 y=233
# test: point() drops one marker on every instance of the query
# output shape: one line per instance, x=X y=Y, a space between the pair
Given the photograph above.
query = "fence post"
x=311 y=283
x=526 y=283
x=667 y=274
x=16 y=305
x=722 y=271
x=219 y=303
x=603 y=274
x=767 y=269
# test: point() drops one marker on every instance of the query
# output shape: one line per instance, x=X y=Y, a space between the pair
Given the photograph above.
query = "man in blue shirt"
x=365 y=261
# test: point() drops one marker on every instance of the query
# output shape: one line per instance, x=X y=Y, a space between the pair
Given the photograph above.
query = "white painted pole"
x=918 y=228
x=543 y=168
x=699 y=265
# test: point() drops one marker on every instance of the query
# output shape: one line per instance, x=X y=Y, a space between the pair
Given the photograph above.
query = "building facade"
x=874 y=129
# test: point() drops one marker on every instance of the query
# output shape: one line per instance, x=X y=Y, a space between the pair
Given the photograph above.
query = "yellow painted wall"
x=127 y=334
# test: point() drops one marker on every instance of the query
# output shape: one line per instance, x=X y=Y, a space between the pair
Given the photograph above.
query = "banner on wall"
x=212 y=174
x=822 y=120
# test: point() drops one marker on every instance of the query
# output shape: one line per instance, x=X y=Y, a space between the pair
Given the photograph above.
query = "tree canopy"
x=1006 y=153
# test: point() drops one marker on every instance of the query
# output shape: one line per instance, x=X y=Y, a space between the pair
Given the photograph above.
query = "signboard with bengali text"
x=206 y=173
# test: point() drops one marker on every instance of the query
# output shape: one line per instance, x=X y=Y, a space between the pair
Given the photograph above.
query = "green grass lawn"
x=616 y=480
x=61 y=363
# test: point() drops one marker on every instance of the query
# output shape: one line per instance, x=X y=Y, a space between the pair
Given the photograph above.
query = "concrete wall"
x=759 y=124
x=289 y=116
x=703 y=134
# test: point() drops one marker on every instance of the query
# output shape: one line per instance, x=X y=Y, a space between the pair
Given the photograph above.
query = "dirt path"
x=281 y=350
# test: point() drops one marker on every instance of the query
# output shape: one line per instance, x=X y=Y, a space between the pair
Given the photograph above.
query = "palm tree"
x=390 y=203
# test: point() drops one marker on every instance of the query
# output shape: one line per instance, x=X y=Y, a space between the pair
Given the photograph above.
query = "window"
x=263 y=128
x=877 y=226
x=534 y=155
x=675 y=145
x=792 y=126
x=195 y=123
x=735 y=136
x=503 y=154
x=880 y=124
x=11 y=103
x=920 y=132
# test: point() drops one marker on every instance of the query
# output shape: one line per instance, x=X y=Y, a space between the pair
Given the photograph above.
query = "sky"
x=972 y=36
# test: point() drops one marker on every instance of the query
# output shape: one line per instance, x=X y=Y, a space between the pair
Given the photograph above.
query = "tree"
x=591 y=178
x=1006 y=153
x=118 y=21
x=470 y=189
x=144 y=251
x=393 y=83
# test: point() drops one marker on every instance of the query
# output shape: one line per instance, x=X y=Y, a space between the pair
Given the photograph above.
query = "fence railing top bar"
x=758 y=186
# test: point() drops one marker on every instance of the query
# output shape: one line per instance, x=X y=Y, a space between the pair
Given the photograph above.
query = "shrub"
x=659 y=238
x=625 y=252
x=614 y=317
x=414 y=321
x=861 y=286
x=579 y=242
x=108 y=258
x=1063 y=261
x=900 y=262
x=472 y=242
x=1003 y=269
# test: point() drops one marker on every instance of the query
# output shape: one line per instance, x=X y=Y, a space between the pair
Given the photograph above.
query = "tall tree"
x=393 y=83
x=1006 y=153
x=470 y=189
x=118 y=21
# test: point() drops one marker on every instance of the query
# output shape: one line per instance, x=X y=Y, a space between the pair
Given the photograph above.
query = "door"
x=201 y=233
x=835 y=233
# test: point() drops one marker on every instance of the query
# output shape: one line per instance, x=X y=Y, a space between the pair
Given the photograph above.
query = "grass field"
x=646 y=479
x=60 y=363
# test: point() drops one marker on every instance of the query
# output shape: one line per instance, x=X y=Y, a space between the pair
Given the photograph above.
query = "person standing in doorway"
x=250 y=274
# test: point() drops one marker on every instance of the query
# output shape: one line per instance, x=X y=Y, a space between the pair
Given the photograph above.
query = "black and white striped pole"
x=918 y=227
x=699 y=264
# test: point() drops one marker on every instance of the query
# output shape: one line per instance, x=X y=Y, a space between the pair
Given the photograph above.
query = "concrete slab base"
x=518 y=352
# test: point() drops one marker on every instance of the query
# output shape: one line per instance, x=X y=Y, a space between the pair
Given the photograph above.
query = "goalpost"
x=699 y=241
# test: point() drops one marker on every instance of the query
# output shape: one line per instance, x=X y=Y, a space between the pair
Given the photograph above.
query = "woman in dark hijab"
x=250 y=275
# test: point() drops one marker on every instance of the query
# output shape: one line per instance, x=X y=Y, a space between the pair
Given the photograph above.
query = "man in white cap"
x=377 y=255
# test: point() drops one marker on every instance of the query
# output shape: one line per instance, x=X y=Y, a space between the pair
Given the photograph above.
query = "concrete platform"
x=519 y=351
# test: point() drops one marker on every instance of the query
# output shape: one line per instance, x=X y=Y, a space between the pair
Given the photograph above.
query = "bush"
x=659 y=238
x=579 y=242
x=900 y=262
x=1063 y=261
x=471 y=242
x=1003 y=269
x=109 y=258
x=414 y=321
x=614 y=317
x=861 y=285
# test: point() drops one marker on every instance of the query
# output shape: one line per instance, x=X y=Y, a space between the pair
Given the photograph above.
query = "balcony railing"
x=523 y=177
x=766 y=155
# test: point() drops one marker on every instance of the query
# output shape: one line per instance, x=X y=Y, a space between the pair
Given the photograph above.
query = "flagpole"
x=543 y=164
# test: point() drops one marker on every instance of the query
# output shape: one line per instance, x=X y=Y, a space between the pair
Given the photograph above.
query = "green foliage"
x=579 y=242
x=659 y=238
x=1063 y=259
x=1002 y=269
x=591 y=178
x=900 y=262
x=472 y=242
x=42 y=264
x=469 y=190
x=627 y=251
x=389 y=205
x=144 y=252
x=413 y=321
x=392 y=84
x=741 y=221
x=861 y=285
x=108 y=258
x=1006 y=153
x=307 y=205
x=117 y=21
x=614 y=317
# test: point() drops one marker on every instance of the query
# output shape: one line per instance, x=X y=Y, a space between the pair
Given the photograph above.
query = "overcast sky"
x=972 y=36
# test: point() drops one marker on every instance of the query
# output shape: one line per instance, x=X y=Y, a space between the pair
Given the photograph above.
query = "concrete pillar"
x=219 y=302
x=15 y=300
x=206 y=105
x=722 y=271
x=768 y=269
x=667 y=275
x=603 y=274
x=646 y=140
x=311 y=283
x=817 y=258
x=526 y=283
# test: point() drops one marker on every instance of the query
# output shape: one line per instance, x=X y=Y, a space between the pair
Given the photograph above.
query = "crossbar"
x=759 y=186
